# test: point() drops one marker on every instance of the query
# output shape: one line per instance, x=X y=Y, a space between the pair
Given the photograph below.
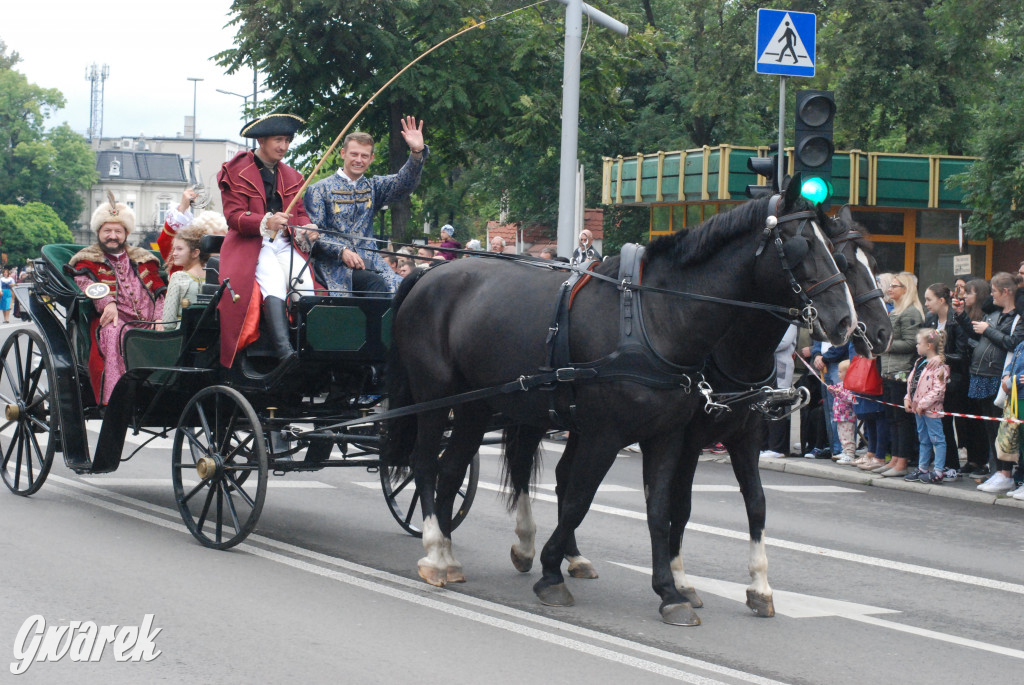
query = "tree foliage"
x=921 y=76
x=24 y=229
x=38 y=165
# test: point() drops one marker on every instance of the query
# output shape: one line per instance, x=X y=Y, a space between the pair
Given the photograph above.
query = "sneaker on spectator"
x=981 y=472
x=931 y=477
x=846 y=459
x=997 y=482
x=1016 y=488
x=914 y=475
x=718 y=448
x=824 y=454
x=635 y=447
x=1019 y=495
x=813 y=454
x=951 y=474
x=771 y=454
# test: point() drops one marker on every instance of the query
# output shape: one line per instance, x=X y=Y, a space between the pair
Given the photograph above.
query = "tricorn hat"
x=115 y=212
x=272 y=125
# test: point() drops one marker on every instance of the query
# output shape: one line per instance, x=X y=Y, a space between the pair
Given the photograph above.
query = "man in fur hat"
x=136 y=291
x=259 y=254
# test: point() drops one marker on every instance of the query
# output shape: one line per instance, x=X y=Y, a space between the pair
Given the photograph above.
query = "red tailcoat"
x=245 y=205
x=165 y=241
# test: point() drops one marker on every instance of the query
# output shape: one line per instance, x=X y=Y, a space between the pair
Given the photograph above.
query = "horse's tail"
x=518 y=470
x=399 y=433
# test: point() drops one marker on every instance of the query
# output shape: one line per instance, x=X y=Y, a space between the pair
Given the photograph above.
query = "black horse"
x=735 y=367
x=476 y=324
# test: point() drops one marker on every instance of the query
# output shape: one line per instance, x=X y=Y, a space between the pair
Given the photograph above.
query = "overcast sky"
x=151 y=47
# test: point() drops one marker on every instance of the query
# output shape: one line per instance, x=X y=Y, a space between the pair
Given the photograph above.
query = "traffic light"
x=812 y=144
x=767 y=167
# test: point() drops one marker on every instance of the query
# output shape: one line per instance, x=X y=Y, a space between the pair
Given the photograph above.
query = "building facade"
x=906 y=203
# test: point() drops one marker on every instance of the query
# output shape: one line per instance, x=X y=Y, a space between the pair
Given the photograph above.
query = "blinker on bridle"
x=792 y=252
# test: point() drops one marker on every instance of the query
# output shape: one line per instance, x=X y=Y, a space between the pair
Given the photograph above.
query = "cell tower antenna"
x=97 y=76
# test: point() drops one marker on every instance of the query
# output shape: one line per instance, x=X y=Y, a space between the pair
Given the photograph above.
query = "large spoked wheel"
x=404 y=499
x=219 y=439
x=27 y=436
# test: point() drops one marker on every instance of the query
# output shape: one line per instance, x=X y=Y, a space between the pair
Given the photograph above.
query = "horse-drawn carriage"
x=232 y=428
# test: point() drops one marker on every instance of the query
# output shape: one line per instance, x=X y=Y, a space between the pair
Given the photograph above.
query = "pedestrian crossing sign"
x=785 y=43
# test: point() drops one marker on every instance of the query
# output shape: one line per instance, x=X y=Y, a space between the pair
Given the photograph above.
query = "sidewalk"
x=961 y=488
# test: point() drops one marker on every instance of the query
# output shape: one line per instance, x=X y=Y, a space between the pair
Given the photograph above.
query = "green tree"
x=38 y=165
x=994 y=186
x=24 y=229
x=490 y=99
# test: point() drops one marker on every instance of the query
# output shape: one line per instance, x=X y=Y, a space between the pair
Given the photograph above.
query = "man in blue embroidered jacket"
x=343 y=206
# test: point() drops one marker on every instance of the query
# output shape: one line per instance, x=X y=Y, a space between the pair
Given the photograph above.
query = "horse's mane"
x=698 y=244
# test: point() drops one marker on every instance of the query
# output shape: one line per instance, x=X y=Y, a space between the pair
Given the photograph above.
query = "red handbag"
x=863 y=377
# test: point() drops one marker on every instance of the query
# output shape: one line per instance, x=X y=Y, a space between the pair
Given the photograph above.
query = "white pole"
x=570 y=126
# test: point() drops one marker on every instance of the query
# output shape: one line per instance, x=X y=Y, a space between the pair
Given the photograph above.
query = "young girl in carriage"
x=926 y=388
x=188 y=265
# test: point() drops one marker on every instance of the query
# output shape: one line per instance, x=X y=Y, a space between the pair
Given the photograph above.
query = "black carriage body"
x=342 y=343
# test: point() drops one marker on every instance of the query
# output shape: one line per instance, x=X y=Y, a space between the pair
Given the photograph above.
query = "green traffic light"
x=817 y=190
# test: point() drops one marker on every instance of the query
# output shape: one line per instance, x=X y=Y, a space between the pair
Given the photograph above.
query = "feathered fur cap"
x=113 y=211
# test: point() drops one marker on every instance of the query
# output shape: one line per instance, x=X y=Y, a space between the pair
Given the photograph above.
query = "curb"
x=829 y=471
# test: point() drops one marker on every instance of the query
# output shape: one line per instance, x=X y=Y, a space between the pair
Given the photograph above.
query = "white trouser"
x=272 y=268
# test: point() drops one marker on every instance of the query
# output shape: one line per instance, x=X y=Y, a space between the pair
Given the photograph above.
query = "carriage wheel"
x=27 y=437
x=404 y=499
x=219 y=439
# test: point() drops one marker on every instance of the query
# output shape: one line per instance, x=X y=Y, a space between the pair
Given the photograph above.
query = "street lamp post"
x=195 y=88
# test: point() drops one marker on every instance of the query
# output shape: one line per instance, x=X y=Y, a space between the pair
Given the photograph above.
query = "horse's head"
x=793 y=243
x=853 y=255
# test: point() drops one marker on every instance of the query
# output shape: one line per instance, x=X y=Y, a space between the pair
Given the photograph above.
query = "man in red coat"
x=260 y=256
x=130 y=291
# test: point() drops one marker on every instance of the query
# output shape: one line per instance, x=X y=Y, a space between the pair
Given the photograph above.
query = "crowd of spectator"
x=961 y=351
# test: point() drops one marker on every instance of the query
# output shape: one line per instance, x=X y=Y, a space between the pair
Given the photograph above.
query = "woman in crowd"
x=941 y=316
x=996 y=333
x=906 y=316
x=7 y=283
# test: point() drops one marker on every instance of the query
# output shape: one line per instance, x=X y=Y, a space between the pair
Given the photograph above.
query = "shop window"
x=933 y=263
x=661 y=219
x=678 y=217
x=880 y=223
x=693 y=215
x=939 y=225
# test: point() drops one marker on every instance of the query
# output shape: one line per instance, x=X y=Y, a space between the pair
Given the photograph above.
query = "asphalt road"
x=871 y=585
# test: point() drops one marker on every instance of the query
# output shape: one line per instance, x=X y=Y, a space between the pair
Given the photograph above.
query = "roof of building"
x=140 y=166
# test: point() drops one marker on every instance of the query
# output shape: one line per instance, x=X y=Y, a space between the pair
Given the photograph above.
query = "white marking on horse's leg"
x=433 y=568
x=758 y=568
x=679 y=573
x=526 y=528
x=452 y=564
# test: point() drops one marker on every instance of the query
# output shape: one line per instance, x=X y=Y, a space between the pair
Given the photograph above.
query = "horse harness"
x=634 y=358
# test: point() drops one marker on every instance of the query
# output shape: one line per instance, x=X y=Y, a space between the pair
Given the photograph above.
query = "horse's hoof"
x=680 y=615
x=435 y=576
x=582 y=569
x=521 y=562
x=554 y=595
x=455 y=575
x=761 y=605
x=691 y=596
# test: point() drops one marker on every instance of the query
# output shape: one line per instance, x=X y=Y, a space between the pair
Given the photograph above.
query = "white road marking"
x=604 y=487
x=100 y=481
x=438 y=599
x=796 y=605
x=801 y=547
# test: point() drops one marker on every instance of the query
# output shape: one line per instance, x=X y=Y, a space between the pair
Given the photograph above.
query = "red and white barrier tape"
x=814 y=372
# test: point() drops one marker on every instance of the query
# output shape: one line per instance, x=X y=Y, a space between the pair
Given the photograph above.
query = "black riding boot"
x=275 y=317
